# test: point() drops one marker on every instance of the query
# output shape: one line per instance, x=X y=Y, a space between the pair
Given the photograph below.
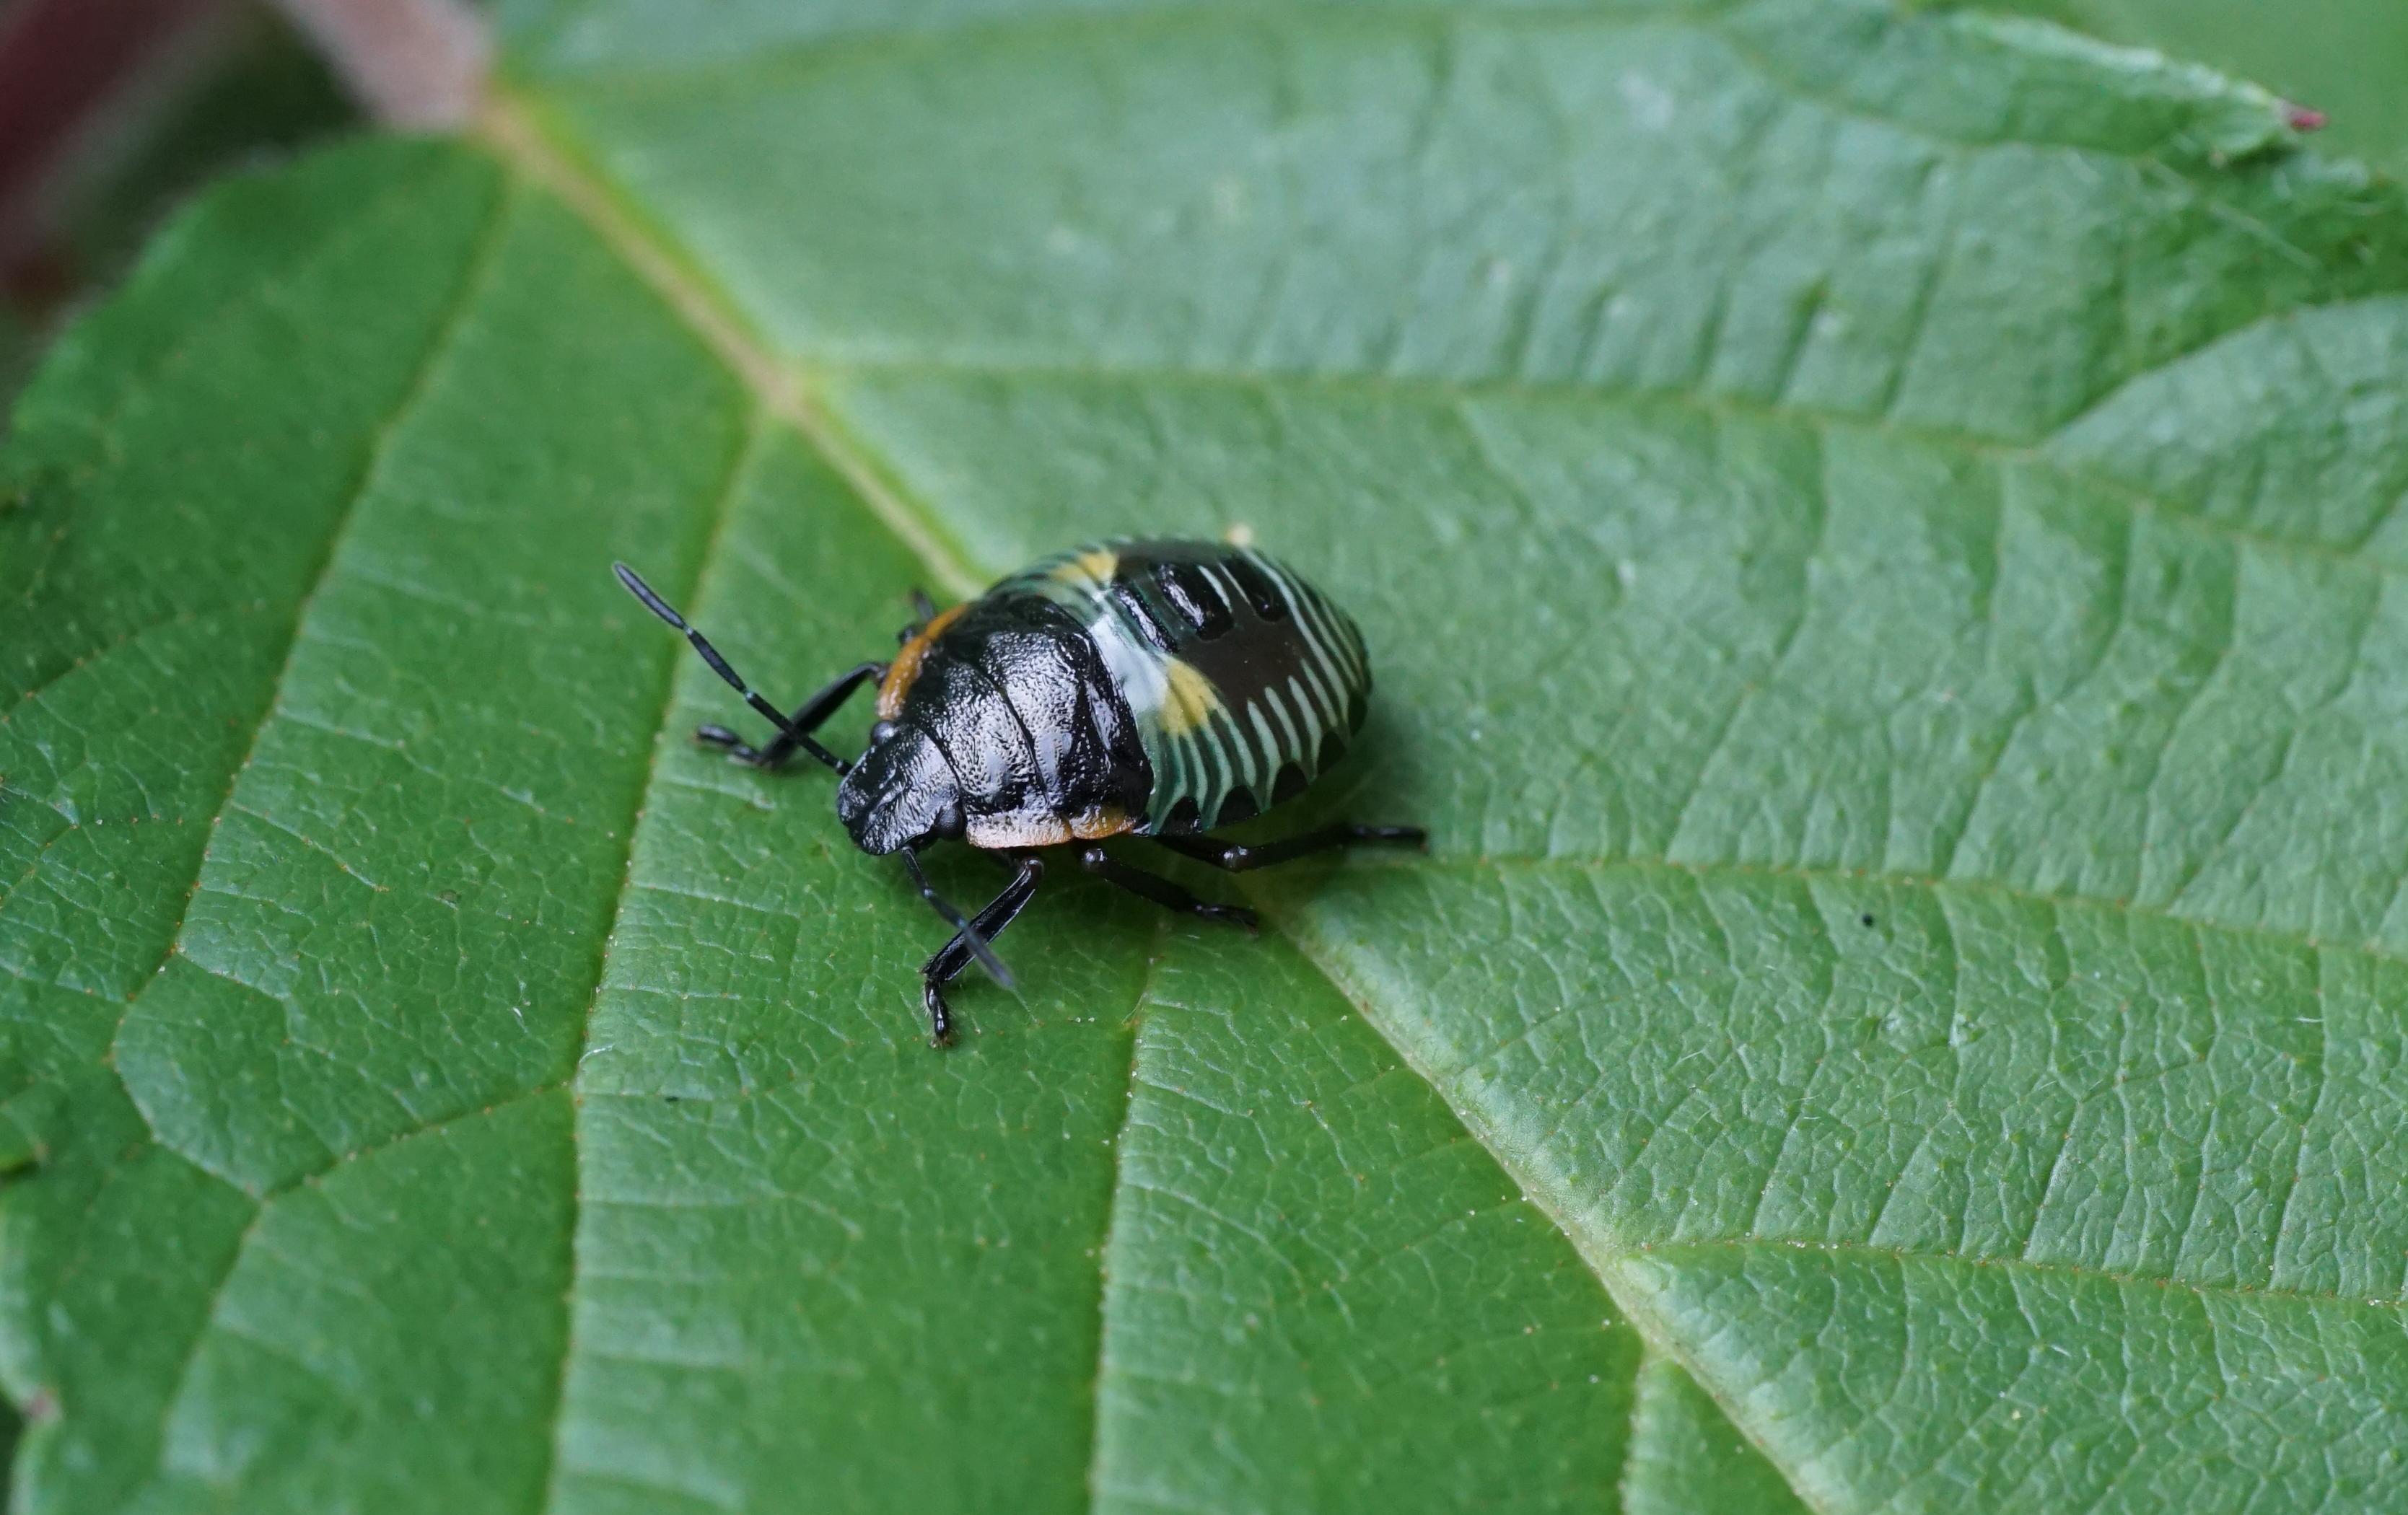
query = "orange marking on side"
x=1097 y=824
x=906 y=666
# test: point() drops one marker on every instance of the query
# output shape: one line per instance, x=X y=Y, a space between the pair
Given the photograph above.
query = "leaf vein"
x=1120 y=1183
x=739 y=467
x=476 y=270
x=2204 y=1289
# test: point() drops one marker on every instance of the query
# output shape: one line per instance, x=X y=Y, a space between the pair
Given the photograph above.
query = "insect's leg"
x=954 y=955
x=923 y=610
x=1161 y=891
x=808 y=718
x=1236 y=858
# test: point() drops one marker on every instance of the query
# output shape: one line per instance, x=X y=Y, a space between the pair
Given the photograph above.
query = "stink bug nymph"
x=1154 y=689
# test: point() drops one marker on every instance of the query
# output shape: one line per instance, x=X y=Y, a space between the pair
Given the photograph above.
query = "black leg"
x=808 y=718
x=923 y=610
x=954 y=955
x=1162 y=891
x=1237 y=859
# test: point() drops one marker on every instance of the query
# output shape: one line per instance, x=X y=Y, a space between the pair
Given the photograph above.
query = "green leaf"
x=1878 y=534
x=2345 y=59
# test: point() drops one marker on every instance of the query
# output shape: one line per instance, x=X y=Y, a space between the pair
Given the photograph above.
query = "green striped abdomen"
x=1245 y=682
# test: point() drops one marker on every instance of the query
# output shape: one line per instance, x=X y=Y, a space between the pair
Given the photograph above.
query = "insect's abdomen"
x=1245 y=682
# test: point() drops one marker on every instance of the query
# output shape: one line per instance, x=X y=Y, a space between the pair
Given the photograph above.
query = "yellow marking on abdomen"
x=1188 y=698
x=906 y=666
x=1098 y=563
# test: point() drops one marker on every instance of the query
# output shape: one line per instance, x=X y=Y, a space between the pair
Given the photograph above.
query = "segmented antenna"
x=970 y=938
x=660 y=608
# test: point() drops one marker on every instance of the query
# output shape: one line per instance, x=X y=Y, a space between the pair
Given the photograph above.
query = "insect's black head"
x=901 y=793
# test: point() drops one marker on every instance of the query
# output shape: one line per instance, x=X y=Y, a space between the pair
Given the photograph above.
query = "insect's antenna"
x=970 y=938
x=718 y=665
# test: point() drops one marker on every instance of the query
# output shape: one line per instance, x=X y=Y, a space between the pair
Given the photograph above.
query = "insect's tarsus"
x=970 y=938
x=951 y=958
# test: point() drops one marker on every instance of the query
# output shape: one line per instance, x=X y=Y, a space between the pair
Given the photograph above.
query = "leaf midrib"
x=1147 y=987
x=1601 y=1252
x=786 y=393
x=514 y=133
x=741 y=463
x=531 y=141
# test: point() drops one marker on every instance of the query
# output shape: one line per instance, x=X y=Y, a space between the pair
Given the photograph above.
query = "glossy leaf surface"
x=1878 y=535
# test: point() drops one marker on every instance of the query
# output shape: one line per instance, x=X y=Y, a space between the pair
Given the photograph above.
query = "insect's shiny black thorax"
x=1144 y=687
x=1153 y=689
x=1010 y=712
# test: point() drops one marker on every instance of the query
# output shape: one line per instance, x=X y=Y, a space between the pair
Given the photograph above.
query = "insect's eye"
x=1192 y=594
x=880 y=732
x=1258 y=589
